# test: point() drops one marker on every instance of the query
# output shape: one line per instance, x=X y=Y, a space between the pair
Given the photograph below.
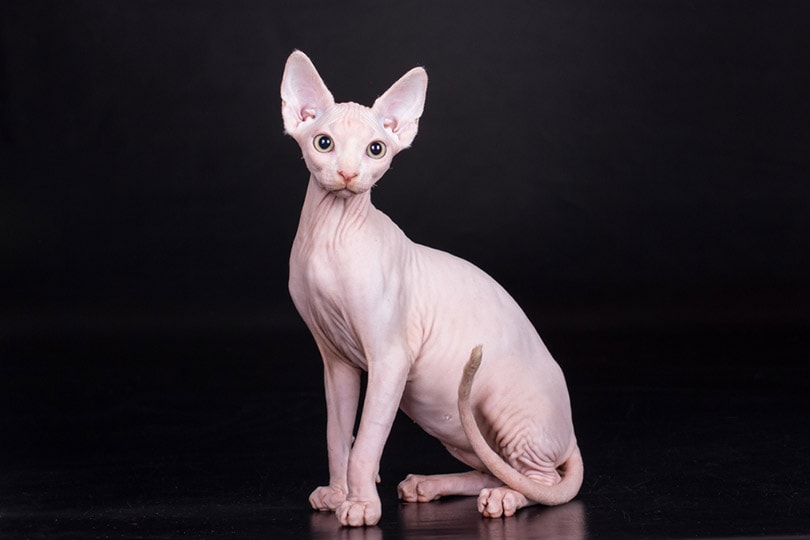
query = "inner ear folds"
x=304 y=96
x=400 y=107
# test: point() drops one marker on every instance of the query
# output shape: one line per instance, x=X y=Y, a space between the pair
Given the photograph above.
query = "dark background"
x=632 y=154
x=635 y=173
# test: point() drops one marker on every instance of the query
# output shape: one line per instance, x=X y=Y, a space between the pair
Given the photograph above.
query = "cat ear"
x=304 y=96
x=400 y=106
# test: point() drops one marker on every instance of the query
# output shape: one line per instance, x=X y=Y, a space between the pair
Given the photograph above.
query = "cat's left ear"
x=400 y=106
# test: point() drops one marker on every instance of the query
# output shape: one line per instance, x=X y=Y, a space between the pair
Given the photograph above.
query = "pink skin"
x=409 y=315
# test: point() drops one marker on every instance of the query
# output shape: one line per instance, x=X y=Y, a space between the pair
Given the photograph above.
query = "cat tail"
x=572 y=470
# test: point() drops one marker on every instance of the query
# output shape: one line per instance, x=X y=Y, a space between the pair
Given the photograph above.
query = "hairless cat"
x=409 y=315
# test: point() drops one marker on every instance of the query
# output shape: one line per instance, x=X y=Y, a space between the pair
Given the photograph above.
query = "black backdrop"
x=606 y=161
x=634 y=172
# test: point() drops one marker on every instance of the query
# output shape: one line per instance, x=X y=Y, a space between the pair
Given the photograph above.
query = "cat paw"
x=359 y=513
x=327 y=498
x=418 y=488
x=500 y=502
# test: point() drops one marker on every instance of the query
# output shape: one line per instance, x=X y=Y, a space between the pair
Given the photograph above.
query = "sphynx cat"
x=409 y=315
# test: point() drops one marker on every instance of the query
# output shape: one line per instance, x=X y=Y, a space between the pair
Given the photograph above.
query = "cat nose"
x=347 y=177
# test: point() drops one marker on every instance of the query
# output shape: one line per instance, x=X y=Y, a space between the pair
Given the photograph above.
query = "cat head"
x=347 y=147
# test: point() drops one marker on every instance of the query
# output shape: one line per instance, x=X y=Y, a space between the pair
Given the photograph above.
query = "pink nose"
x=347 y=177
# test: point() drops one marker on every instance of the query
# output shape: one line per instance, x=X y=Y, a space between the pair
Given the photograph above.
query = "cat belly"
x=441 y=421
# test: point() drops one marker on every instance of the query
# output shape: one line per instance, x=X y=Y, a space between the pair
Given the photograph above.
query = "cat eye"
x=376 y=149
x=323 y=143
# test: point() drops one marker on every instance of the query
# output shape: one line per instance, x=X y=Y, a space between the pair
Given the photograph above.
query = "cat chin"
x=342 y=193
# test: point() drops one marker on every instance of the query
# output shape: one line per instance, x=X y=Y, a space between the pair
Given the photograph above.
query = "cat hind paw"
x=419 y=488
x=500 y=502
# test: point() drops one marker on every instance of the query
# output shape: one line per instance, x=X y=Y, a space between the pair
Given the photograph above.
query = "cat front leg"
x=387 y=375
x=342 y=386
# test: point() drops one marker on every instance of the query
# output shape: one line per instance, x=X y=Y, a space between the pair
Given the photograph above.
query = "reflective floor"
x=685 y=434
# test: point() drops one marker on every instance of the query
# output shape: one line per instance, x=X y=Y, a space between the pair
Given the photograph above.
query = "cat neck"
x=323 y=210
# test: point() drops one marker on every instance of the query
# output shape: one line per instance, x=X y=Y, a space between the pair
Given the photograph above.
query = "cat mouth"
x=345 y=191
x=340 y=188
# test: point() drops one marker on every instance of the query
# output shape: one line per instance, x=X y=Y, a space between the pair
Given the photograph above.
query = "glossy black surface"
x=685 y=433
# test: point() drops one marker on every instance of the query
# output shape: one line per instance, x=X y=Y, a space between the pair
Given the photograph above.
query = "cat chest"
x=325 y=296
x=325 y=279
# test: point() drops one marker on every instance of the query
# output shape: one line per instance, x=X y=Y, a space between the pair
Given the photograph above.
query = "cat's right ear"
x=304 y=96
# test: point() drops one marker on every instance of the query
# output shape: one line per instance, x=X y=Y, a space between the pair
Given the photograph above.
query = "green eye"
x=376 y=150
x=323 y=143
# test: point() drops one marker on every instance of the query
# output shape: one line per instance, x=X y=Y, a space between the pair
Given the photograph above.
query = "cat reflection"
x=457 y=518
x=324 y=526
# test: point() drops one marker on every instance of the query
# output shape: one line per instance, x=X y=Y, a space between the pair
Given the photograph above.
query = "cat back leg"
x=422 y=488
